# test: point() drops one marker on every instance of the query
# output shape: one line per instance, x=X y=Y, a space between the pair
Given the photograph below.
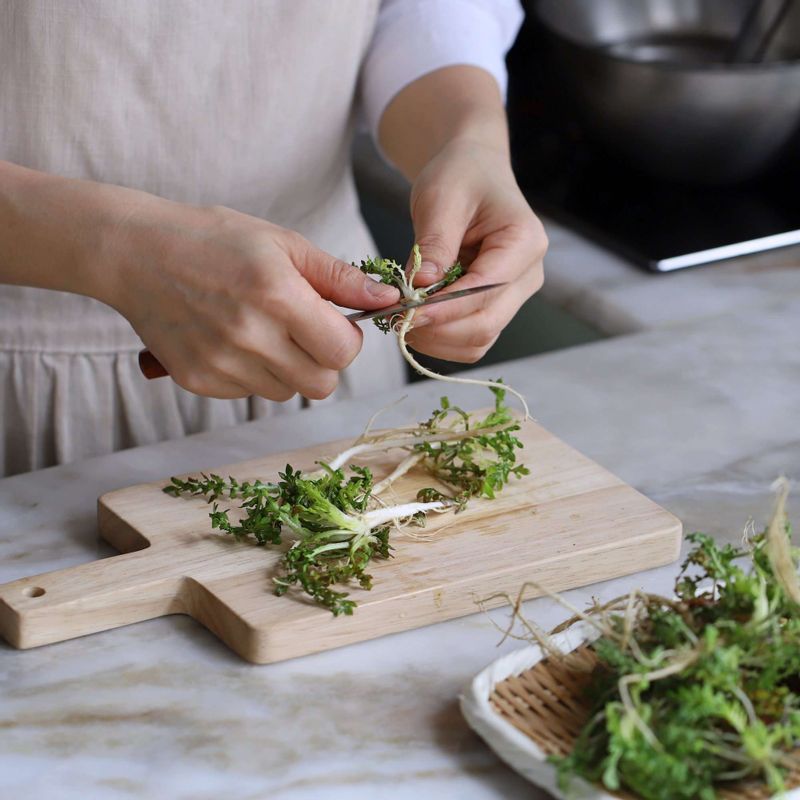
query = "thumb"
x=438 y=230
x=343 y=283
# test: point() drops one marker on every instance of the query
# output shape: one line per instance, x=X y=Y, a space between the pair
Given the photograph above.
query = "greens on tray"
x=693 y=693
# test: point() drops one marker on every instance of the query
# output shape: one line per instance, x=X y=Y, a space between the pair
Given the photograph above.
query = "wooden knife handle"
x=150 y=366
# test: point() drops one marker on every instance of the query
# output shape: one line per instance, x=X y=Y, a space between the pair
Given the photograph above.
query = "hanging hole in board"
x=33 y=591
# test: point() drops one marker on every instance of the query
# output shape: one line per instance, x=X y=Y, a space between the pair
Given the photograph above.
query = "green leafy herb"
x=479 y=465
x=334 y=517
x=391 y=273
x=694 y=693
x=386 y=270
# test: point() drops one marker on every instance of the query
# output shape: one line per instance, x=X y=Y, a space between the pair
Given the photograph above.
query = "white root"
x=601 y=625
x=656 y=675
x=404 y=466
x=574 y=661
x=423 y=535
x=629 y=619
x=778 y=546
x=381 y=516
x=375 y=416
x=380 y=444
x=402 y=332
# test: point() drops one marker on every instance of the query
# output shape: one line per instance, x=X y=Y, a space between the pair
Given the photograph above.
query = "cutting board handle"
x=89 y=598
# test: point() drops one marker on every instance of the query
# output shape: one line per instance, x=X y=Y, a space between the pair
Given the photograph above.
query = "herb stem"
x=408 y=463
x=382 y=516
x=405 y=327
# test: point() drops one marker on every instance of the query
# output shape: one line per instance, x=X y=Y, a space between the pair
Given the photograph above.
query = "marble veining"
x=700 y=415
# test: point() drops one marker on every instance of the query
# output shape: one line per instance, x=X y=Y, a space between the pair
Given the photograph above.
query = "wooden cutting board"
x=568 y=524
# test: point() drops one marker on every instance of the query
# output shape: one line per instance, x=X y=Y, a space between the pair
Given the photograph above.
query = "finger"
x=291 y=365
x=315 y=326
x=344 y=284
x=476 y=332
x=260 y=354
x=458 y=354
x=287 y=371
x=228 y=371
x=439 y=314
x=518 y=266
x=311 y=322
x=215 y=389
x=260 y=381
x=440 y=221
x=193 y=371
x=202 y=379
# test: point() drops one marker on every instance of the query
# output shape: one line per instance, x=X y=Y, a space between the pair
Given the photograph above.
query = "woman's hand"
x=447 y=133
x=232 y=305
x=466 y=205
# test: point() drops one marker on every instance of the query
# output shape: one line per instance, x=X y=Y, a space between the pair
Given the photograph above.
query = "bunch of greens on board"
x=335 y=516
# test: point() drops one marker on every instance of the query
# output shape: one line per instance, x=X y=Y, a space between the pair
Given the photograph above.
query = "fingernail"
x=429 y=270
x=379 y=290
x=420 y=320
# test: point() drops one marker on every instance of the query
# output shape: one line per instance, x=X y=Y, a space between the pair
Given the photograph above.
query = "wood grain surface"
x=568 y=524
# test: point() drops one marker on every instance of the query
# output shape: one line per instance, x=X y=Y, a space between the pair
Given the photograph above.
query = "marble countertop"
x=617 y=297
x=700 y=416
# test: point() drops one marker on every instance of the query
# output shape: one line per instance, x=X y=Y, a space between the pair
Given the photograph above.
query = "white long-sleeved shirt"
x=415 y=37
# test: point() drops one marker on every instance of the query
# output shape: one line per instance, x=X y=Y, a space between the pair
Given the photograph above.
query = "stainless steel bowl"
x=649 y=78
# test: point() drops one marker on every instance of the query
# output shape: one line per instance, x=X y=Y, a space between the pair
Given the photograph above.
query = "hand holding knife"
x=152 y=368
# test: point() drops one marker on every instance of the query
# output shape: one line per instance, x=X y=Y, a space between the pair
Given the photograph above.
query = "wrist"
x=108 y=266
x=451 y=105
x=489 y=134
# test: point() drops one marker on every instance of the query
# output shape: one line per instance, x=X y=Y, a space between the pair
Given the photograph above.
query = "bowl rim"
x=744 y=67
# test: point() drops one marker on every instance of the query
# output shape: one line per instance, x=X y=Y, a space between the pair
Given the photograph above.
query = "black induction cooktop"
x=657 y=224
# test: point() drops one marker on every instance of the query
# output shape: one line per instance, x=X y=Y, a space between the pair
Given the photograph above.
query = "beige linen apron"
x=243 y=103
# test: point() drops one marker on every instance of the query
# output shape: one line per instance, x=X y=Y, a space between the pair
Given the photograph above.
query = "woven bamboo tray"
x=528 y=707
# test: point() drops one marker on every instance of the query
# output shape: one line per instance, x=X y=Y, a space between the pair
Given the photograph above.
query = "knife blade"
x=402 y=306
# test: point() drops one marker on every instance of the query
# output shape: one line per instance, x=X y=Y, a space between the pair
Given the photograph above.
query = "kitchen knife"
x=152 y=368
